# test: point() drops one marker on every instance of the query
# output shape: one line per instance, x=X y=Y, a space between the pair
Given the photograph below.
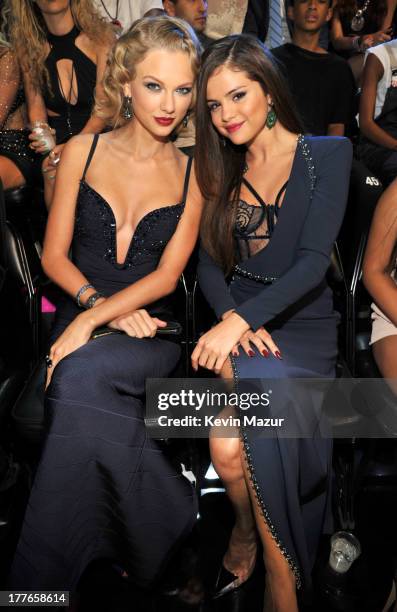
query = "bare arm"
x=9 y=84
x=34 y=101
x=336 y=129
x=381 y=244
x=373 y=72
x=388 y=18
x=95 y=125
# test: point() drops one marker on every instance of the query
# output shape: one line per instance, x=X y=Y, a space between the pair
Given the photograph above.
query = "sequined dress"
x=14 y=142
x=103 y=488
x=279 y=283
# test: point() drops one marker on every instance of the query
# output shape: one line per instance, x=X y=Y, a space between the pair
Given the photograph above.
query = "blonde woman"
x=127 y=202
x=16 y=159
x=62 y=46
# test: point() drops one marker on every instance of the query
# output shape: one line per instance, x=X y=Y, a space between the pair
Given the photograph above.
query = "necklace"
x=67 y=100
x=115 y=20
x=357 y=23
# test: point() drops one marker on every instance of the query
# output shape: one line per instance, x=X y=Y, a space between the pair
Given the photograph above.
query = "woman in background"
x=16 y=158
x=274 y=202
x=358 y=25
x=379 y=278
x=62 y=47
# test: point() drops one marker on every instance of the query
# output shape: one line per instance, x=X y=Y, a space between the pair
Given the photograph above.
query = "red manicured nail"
x=251 y=353
x=278 y=354
x=265 y=353
x=235 y=354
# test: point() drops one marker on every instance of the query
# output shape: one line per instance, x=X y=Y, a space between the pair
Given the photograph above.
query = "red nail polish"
x=265 y=353
x=278 y=354
x=251 y=353
x=235 y=354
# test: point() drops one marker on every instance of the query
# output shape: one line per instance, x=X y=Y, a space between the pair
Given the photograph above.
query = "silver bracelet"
x=92 y=299
x=80 y=293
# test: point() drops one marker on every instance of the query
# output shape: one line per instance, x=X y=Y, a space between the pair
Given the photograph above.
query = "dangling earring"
x=271 y=118
x=186 y=120
x=127 y=108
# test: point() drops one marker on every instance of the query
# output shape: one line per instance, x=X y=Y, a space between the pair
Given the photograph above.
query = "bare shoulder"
x=76 y=151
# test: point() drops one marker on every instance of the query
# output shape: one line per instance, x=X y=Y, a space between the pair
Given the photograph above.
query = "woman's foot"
x=240 y=556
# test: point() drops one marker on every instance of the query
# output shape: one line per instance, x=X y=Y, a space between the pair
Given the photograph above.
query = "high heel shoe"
x=227 y=582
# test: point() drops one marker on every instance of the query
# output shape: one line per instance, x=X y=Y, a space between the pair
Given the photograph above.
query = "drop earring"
x=271 y=118
x=127 y=108
x=185 y=120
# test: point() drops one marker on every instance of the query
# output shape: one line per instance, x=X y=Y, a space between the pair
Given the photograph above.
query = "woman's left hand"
x=214 y=347
x=76 y=334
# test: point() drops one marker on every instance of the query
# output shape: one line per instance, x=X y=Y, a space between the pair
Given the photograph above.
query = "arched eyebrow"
x=229 y=93
x=150 y=76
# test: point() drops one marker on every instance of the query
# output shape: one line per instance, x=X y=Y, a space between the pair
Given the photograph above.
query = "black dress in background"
x=71 y=117
x=103 y=489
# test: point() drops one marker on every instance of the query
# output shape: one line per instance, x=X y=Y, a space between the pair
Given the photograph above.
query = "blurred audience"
x=321 y=83
x=378 y=112
x=192 y=11
x=123 y=13
x=379 y=278
x=62 y=48
x=358 y=25
x=195 y=13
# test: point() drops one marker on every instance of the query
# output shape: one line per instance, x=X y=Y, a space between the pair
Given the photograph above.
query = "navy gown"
x=279 y=282
x=103 y=489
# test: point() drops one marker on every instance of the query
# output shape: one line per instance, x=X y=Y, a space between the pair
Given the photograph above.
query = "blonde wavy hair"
x=144 y=35
x=28 y=34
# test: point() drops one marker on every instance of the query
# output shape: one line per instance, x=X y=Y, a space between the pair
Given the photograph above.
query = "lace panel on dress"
x=255 y=224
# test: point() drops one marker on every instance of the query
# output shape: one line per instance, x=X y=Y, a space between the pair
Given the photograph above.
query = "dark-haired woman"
x=274 y=202
x=358 y=25
x=62 y=47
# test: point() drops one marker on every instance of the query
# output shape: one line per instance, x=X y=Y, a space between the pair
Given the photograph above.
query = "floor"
x=189 y=581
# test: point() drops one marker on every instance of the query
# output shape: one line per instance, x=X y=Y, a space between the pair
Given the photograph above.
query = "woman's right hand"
x=138 y=324
x=370 y=40
x=37 y=143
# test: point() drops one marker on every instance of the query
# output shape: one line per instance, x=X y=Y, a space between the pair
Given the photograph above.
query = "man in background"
x=192 y=11
x=322 y=84
x=123 y=13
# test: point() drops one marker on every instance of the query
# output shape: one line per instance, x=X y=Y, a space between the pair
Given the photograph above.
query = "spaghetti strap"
x=90 y=155
x=258 y=197
x=187 y=177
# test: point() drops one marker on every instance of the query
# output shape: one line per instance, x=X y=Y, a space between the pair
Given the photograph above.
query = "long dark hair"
x=219 y=163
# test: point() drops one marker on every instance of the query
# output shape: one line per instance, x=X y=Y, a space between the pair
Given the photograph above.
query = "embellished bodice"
x=94 y=246
x=96 y=231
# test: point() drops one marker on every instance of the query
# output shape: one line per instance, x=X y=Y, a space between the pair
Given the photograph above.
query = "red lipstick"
x=165 y=120
x=233 y=127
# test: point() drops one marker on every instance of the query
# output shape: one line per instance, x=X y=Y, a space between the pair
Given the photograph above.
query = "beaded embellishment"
x=261 y=504
x=307 y=154
x=256 y=277
x=150 y=237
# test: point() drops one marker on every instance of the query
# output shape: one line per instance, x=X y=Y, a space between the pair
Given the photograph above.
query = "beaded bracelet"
x=92 y=299
x=80 y=293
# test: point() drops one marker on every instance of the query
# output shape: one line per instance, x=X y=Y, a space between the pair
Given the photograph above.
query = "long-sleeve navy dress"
x=282 y=286
x=103 y=488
